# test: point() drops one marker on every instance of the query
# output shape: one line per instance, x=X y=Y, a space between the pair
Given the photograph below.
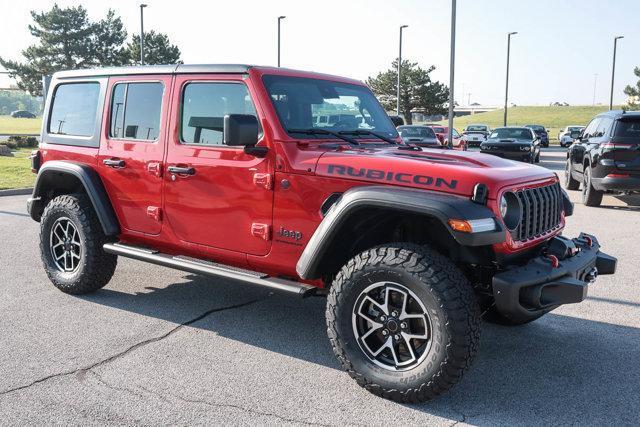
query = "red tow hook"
x=589 y=240
x=554 y=260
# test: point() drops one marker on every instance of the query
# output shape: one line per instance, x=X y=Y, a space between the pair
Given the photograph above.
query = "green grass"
x=553 y=118
x=15 y=172
x=9 y=125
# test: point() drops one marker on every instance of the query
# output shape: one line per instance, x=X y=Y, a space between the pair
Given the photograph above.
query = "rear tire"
x=590 y=196
x=569 y=181
x=71 y=240
x=441 y=305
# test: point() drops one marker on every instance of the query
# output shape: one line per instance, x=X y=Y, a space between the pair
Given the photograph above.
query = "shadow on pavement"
x=557 y=369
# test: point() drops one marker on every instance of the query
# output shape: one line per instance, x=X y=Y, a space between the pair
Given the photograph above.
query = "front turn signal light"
x=472 y=225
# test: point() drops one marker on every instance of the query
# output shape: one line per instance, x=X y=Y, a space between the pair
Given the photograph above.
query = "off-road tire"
x=590 y=196
x=569 y=181
x=95 y=267
x=449 y=300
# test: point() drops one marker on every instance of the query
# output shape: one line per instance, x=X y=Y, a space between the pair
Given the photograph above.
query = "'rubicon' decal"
x=380 y=175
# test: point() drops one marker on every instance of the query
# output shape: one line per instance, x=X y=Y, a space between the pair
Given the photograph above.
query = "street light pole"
x=142 y=6
x=452 y=61
x=399 y=70
x=613 y=69
x=506 y=90
x=280 y=18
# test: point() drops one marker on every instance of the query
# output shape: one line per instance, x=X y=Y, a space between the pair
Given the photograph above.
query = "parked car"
x=442 y=133
x=459 y=142
x=475 y=134
x=219 y=170
x=421 y=136
x=606 y=157
x=23 y=114
x=568 y=138
x=567 y=130
x=515 y=143
x=542 y=134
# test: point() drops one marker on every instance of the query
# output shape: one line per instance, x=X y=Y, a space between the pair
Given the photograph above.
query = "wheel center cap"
x=392 y=325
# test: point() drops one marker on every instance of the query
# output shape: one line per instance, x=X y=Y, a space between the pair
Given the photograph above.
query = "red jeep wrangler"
x=231 y=171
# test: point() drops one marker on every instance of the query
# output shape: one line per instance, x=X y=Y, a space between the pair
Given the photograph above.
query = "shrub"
x=14 y=142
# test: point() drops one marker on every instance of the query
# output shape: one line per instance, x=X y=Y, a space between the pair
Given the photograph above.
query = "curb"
x=16 y=192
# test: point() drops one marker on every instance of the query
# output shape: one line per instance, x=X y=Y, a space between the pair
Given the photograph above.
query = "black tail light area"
x=36 y=161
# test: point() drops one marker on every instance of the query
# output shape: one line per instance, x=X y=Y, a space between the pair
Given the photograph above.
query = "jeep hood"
x=455 y=172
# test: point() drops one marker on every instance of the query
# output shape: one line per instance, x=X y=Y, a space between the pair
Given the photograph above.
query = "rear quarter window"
x=74 y=109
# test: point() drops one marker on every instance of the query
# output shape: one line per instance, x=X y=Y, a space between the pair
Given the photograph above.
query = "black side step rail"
x=198 y=266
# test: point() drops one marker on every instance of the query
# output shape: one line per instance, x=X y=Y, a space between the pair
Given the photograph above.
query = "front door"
x=132 y=149
x=215 y=195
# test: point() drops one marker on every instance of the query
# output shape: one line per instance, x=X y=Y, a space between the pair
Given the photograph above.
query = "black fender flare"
x=90 y=181
x=437 y=205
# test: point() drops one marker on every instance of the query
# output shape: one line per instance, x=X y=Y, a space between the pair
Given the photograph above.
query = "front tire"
x=403 y=321
x=590 y=196
x=71 y=240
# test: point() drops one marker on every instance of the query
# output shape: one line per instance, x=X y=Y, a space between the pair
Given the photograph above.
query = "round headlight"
x=510 y=210
x=503 y=206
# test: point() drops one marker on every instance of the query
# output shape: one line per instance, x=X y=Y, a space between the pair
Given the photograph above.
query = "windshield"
x=511 y=133
x=476 y=128
x=416 y=132
x=628 y=128
x=537 y=128
x=572 y=128
x=305 y=103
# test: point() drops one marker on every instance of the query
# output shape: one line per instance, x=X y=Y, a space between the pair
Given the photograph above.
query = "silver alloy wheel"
x=64 y=242
x=392 y=326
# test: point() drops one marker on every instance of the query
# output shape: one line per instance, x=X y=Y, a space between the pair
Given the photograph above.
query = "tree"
x=64 y=42
x=157 y=49
x=110 y=36
x=634 y=92
x=417 y=91
x=67 y=39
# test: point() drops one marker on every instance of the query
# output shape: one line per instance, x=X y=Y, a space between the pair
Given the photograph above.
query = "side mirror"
x=240 y=130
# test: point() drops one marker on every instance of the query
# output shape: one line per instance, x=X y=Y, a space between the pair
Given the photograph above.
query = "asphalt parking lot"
x=158 y=346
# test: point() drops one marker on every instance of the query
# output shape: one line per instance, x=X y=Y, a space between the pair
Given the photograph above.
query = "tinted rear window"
x=135 y=111
x=416 y=132
x=628 y=128
x=74 y=109
x=438 y=130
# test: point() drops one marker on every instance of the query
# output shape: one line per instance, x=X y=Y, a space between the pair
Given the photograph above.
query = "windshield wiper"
x=368 y=132
x=316 y=131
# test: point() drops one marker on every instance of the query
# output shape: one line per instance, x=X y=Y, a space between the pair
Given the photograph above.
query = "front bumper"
x=524 y=292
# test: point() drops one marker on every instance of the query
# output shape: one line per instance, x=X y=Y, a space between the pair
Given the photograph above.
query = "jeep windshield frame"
x=332 y=108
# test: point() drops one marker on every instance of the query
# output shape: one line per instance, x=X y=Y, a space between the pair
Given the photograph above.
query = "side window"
x=454 y=133
x=603 y=127
x=135 y=111
x=590 y=130
x=204 y=106
x=74 y=107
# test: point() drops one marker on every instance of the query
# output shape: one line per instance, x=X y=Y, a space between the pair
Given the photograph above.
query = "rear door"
x=579 y=149
x=626 y=143
x=224 y=200
x=132 y=149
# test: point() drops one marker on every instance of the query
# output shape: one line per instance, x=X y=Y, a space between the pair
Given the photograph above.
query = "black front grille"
x=541 y=211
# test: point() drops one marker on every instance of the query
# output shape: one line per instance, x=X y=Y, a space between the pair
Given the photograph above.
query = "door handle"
x=181 y=171
x=114 y=163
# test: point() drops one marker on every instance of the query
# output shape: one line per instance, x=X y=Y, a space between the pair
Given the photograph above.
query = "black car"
x=605 y=158
x=422 y=136
x=542 y=134
x=515 y=143
x=23 y=114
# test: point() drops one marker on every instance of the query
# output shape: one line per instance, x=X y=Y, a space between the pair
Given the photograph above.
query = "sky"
x=560 y=46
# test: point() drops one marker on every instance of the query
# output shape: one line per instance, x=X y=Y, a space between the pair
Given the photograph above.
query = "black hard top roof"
x=156 y=69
